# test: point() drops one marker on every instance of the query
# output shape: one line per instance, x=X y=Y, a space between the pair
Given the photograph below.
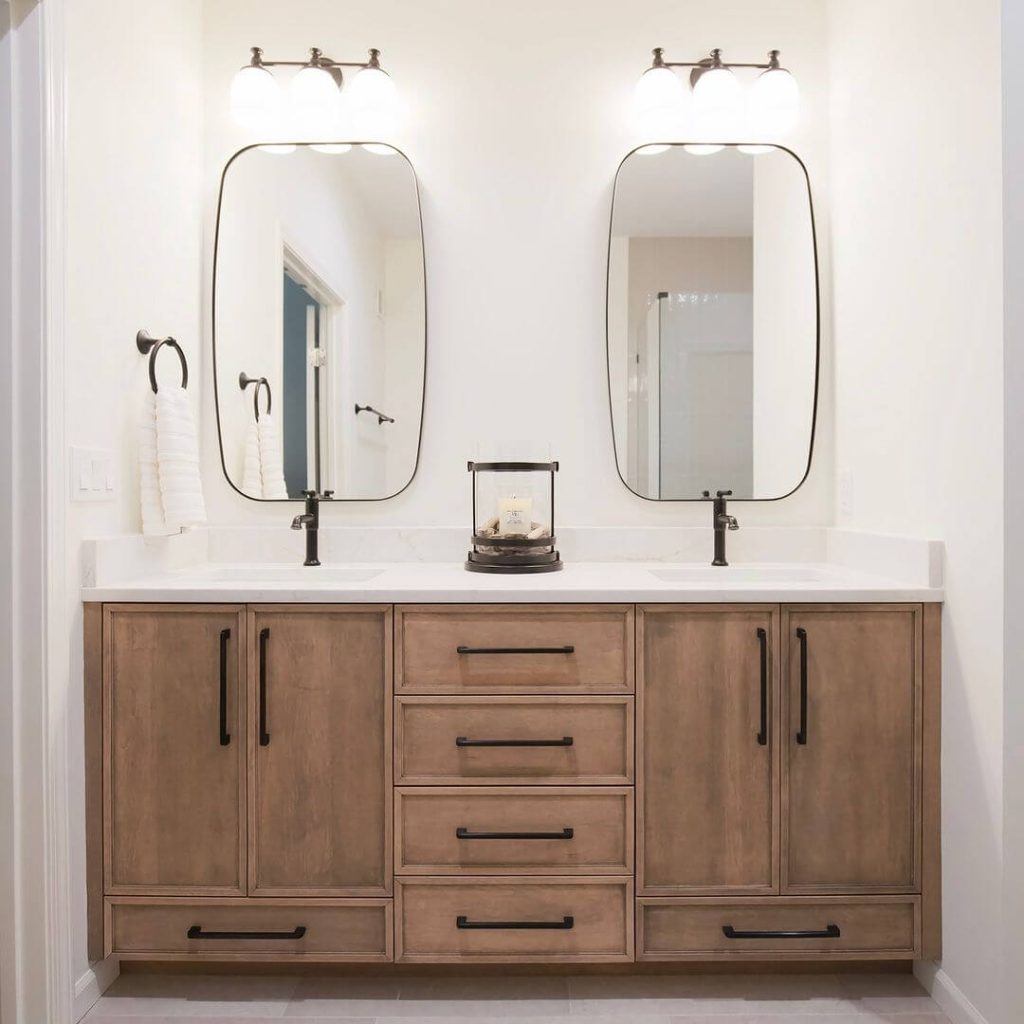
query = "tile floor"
x=694 y=999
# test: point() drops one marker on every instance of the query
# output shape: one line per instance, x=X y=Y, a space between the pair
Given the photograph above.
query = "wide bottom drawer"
x=779 y=928
x=141 y=928
x=508 y=920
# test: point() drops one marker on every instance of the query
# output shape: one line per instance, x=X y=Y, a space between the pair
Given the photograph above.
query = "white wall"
x=516 y=143
x=1013 y=389
x=133 y=260
x=916 y=250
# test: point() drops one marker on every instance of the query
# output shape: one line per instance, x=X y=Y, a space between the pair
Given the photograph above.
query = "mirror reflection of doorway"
x=309 y=321
x=301 y=312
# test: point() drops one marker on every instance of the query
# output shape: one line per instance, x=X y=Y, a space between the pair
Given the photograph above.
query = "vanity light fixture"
x=317 y=103
x=716 y=102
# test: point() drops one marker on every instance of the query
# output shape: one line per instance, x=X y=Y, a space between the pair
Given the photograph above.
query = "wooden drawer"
x=514 y=831
x=552 y=740
x=496 y=920
x=859 y=928
x=334 y=930
x=514 y=649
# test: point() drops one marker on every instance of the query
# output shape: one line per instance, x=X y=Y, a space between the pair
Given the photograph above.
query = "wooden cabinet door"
x=174 y=750
x=707 y=795
x=320 y=781
x=852 y=748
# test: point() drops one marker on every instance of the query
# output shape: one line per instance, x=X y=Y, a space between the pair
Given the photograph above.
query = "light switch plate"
x=93 y=474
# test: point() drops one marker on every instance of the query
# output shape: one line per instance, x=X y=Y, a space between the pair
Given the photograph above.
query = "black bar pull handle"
x=463 y=741
x=567 y=649
x=465 y=833
x=196 y=932
x=830 y=931
x=566 y=923
x=264 y=735
x=225 y=736
x=801 y=736
x=762 y=639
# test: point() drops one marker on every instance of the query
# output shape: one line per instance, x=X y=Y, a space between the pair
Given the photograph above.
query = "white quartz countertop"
x=583 y=582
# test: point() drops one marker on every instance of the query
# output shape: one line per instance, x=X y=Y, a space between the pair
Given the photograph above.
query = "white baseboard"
x=954 y=1004
x=91 y=985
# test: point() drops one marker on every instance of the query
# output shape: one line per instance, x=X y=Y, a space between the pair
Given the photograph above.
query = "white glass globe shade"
x=279 y=148
x=702 y=148
x=314 y=100
x=651 y=150
x=775 y=101
x=372 y=103
x=379 y=149
x=659 y=102
x=718 y=95
x=331 y=147
x=255 y=99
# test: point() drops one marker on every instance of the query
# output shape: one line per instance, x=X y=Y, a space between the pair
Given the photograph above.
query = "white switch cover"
x=93 y=474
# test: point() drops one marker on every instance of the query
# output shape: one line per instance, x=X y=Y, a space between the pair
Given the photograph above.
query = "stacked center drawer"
x=514 y=732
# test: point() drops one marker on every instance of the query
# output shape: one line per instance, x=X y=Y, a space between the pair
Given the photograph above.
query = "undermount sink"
x=739 y=574
x=304 y=574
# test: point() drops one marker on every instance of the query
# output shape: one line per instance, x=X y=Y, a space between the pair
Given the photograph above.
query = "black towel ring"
x=145 y=342
x=244 y=380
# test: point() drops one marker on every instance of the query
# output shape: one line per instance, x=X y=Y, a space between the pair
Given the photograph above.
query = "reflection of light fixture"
x=719 y=109
x=316 y=100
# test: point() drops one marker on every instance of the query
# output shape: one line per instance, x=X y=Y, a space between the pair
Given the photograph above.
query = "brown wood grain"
x=92 y=623
x=174 y=796
x=426 y=729
x=320 y=790
x=336 y=930
x=931 y=802
x=708 y=802
x=426 y=910
x=853 y=814
x=873 y=928
x=600 y=818
x=427 y=638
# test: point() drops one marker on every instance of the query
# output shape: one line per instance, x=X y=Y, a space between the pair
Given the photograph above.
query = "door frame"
x=35 y=883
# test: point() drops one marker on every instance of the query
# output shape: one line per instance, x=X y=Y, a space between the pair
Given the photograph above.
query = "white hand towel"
x=153 y=522
x=176 y=461
x=252 y=479
x=271 y=459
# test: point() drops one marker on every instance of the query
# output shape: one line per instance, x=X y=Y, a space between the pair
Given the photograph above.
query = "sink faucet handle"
x=722 y=494
x=328 y=495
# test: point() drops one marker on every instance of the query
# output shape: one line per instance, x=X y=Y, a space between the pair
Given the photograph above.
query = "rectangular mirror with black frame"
x=712 y=321
x=319 y=321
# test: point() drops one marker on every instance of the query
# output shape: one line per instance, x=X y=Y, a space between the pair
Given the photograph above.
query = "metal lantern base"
x=503 y=564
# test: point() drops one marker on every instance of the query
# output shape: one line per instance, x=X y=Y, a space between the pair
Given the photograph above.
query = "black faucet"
x=310 y=519
x=721 y=521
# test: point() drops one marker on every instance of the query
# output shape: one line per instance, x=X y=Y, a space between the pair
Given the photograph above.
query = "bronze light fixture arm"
x=713 y=60
x=316 y=60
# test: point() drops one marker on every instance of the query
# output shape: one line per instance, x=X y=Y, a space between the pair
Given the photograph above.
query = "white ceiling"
x=680 y=195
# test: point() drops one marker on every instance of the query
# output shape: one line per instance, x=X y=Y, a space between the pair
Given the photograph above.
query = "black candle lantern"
x=513 y=517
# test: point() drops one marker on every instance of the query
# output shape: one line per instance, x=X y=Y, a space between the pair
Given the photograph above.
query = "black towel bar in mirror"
x=381 y=417
x=244 y=380
x=146 y=343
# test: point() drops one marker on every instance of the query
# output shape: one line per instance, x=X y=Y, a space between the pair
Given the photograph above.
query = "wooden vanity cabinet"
x=770 y=791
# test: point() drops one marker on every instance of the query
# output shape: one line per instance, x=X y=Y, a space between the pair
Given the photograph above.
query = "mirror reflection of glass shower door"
x=700 y=432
